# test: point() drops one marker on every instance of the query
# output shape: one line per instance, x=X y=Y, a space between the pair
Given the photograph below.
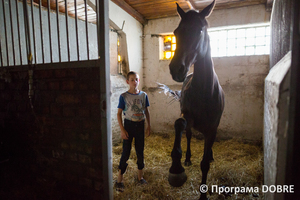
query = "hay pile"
x=236 y=165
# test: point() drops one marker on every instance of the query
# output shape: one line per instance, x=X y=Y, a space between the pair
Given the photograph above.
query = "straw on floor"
x=236 y=164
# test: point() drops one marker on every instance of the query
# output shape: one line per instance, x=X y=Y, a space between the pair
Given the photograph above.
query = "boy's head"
x=133 y=79
x=130 y=74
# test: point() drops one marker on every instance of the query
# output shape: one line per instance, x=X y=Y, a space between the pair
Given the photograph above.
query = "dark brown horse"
x=202 y=98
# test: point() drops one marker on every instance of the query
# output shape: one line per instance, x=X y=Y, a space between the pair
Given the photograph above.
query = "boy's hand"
x=148 y=130
x=124 y=134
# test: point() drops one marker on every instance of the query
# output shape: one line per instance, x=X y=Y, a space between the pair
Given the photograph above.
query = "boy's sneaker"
x=119 y=186
x=143 y=182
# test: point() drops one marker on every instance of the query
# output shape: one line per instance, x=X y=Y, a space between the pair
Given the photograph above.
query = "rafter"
x=122 y=4
x=191 y=4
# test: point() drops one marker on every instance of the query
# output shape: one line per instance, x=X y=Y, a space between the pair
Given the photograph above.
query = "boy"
x=134 y=104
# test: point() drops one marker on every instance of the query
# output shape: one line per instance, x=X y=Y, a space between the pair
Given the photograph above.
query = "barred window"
x=240 y=40
x=169 y=46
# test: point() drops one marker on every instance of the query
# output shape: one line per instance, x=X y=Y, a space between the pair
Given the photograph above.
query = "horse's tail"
x=175 y=94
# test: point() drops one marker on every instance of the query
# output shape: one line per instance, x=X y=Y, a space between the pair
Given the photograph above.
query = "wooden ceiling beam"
x=131 y=11
x=191 y=4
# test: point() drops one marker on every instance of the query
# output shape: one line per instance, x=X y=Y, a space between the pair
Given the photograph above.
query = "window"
x=169 y=47
x=230 y=41
x=240 y=40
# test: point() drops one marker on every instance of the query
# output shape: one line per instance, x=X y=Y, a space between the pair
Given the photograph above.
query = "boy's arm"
x=124 y=133
x=148 y=130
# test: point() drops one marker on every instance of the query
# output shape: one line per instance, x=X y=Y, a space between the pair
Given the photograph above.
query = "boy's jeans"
x=135 y=130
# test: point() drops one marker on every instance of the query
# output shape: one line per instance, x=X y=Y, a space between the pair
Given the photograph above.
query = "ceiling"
x=144 y=10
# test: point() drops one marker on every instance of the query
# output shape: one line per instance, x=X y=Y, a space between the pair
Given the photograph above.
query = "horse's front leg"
x=207 y=158
x=187 y=161
x=177 y=176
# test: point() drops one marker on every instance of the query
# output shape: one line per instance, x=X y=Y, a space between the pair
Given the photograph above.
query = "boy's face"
x=133 y=81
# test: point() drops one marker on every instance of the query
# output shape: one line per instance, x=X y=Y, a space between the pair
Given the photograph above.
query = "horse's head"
x=191 y=40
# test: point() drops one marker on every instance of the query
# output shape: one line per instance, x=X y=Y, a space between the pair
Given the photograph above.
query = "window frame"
x=249 y=47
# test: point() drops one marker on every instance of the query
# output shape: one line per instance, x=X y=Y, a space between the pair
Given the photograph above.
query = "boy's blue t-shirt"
x=134 y=105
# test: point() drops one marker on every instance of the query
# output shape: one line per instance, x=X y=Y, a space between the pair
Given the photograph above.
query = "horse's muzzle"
x=178 y=78
x=178 y=72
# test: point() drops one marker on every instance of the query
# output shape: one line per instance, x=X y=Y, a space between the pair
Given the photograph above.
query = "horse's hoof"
x=187 y=163
x=177 y=180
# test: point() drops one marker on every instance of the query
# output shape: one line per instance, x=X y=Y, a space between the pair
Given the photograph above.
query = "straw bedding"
x=236 y=164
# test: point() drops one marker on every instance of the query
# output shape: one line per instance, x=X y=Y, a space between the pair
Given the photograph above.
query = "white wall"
x=134 y=32
x=242 y=78
x=113 y=52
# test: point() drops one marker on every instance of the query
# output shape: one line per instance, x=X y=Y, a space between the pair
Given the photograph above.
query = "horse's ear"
x=180 y=11
x=208 y=10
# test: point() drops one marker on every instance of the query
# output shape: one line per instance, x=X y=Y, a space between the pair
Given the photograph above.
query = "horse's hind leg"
x=187 y=161
x=177 y=176
x=207 y=158
x=211 y=157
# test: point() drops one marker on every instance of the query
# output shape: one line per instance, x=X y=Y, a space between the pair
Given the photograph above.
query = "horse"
x=201 y=97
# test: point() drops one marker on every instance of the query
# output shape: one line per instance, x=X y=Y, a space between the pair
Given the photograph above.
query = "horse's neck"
x=203 y=77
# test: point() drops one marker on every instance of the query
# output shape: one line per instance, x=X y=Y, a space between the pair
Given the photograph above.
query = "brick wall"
x=59 y=143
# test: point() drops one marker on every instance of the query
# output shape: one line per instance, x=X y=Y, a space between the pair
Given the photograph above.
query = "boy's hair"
x=131 y=73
